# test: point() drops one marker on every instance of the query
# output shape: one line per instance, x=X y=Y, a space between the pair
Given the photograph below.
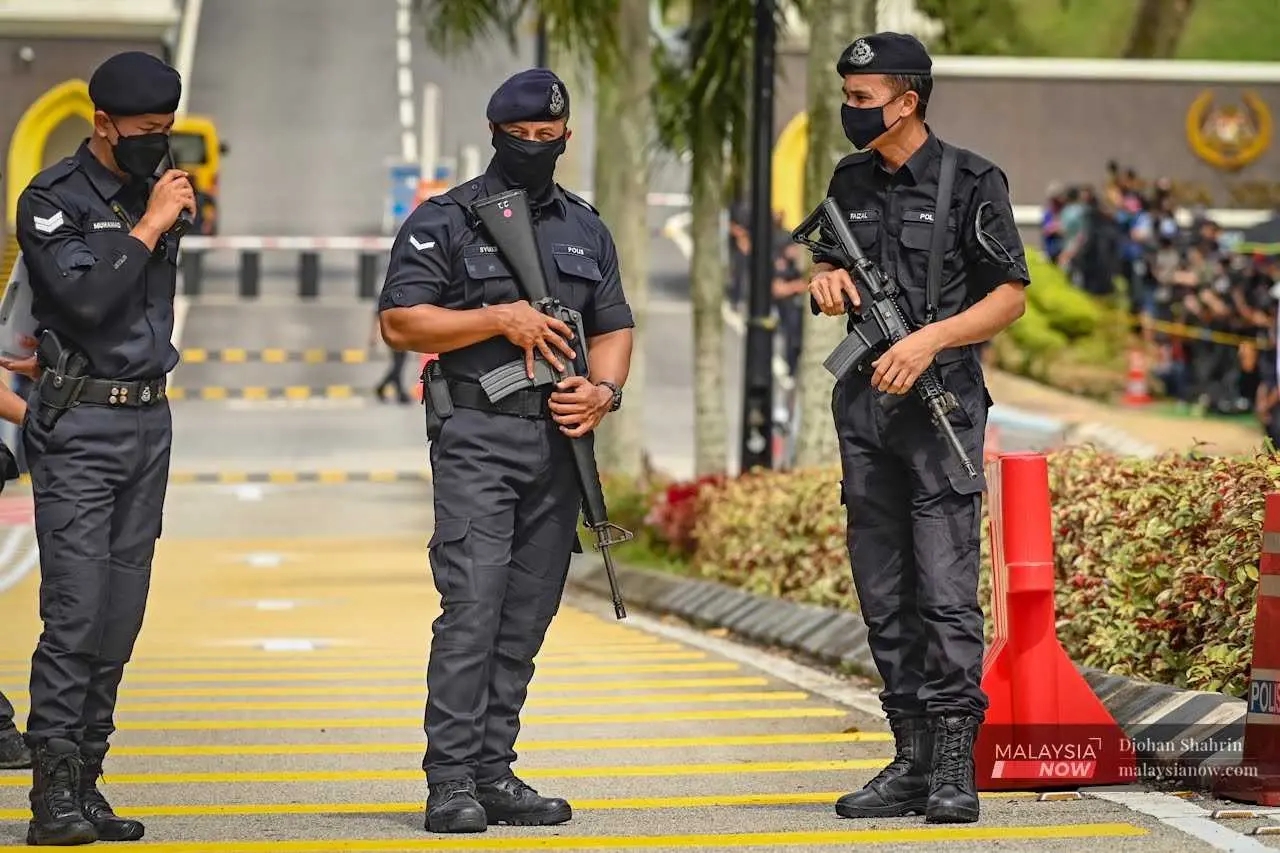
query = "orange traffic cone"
x=1135 y=388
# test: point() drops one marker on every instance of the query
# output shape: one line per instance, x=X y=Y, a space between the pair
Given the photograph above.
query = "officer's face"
x=875 y=90
x=111 y=129
x=538 y=131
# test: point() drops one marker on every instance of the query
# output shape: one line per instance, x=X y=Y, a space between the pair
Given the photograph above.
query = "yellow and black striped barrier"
x=285 y=477
x=274 y=356
x=1197 y=333
x=252 y=392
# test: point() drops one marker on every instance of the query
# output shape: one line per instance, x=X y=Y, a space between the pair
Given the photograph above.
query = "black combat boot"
x=56 y=818
x=452 y=807
x=902 y=788
x=14 y=754
x=953 y=794
x=514 y=803
x=95 y=806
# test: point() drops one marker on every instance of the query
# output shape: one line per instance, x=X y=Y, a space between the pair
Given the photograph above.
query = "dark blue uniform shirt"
x=102 y=291
x=438 y=259
x=891 y=216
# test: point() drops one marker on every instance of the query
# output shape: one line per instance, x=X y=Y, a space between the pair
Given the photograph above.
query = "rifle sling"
x=937 y=244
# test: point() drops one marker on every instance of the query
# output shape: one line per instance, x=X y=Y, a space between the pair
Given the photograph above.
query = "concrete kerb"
x=1173 y=729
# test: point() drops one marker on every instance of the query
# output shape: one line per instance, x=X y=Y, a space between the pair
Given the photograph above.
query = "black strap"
x=528 y=403
x=937 y=245
x=133 y=394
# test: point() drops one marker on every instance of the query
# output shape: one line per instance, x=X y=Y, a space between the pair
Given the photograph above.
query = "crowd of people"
x=1208 y=313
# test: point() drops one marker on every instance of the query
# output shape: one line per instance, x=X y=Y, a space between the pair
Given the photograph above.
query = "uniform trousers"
x=506 y=519
x=913 y=539
x=99 y=477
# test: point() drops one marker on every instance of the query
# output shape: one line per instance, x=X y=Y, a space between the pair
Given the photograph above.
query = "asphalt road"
x=275 y=703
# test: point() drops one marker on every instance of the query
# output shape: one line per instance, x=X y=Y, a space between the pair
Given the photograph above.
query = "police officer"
x=913 y=514
x=506 y=497
x=97 y=233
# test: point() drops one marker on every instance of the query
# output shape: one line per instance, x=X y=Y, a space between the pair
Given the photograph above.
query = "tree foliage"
x=978 y=27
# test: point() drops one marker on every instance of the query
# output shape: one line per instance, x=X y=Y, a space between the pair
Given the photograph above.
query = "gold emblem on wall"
x=1229 y=136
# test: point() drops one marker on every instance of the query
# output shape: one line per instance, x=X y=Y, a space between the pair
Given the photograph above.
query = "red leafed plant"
x=674 y=515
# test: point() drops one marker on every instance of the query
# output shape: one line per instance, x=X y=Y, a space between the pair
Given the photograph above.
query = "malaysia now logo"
x=49 y=224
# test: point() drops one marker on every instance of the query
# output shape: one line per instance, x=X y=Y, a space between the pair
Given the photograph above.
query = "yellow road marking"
x=417 y=676
x=922 y=835
x=638 y=803
x=585 y=744
x=418 y=690
x=392 y=705
x=134 y=724
x=416 y=663
x=409 y=775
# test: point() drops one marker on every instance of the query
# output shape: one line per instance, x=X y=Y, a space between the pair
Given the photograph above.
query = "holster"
x=435 y=398
x=61 y=379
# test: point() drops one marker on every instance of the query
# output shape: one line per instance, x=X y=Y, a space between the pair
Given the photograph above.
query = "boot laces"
x=952 y=762
x=64 y=777
x=455 y=787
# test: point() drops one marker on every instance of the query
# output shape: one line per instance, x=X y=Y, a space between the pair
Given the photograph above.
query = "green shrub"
x=1068 y=310
x=1157 y=560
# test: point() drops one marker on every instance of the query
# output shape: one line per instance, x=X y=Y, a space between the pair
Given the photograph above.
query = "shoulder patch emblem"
x=421 y=247
x=49 y=224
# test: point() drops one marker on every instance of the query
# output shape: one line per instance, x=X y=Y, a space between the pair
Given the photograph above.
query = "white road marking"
x=406 y=113
x=289 y=644
x=1185 y=817
x=263 y=559
x=406 y=82
x=403 y=51
x=409 y=146
x=402 y=20
x=274 y=604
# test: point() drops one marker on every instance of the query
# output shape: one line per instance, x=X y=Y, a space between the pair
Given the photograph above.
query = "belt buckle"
x=145 y=394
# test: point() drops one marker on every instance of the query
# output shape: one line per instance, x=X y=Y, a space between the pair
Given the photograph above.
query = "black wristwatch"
x=617 y=394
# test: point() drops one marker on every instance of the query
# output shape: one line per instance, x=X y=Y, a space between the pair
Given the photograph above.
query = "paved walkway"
x=1163 y=431
x=276 y=699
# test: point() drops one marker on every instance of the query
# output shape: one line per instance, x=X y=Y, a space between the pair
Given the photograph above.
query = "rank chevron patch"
x=47 y=225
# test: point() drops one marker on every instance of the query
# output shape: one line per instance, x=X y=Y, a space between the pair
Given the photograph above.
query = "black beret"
x=885 y=53
x=134 y=84
x=533 y=95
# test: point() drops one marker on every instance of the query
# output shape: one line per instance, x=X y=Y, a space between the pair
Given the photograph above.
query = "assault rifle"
x=879 y=323
x=507 y=220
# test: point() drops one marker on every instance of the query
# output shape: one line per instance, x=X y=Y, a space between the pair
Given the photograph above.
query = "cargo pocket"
x=450 y=556
x=968 y=420
x=489 y=279
x=578 y=271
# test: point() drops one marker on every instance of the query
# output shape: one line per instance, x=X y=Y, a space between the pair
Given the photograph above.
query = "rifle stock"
x=507 y=219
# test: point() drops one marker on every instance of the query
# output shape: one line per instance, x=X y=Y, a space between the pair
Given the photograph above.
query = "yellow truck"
x=197 y=149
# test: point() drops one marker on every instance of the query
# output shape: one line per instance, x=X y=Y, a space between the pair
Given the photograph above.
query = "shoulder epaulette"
x=54 y=174
x=578 y=200
x=854 y=159
x=974 y=164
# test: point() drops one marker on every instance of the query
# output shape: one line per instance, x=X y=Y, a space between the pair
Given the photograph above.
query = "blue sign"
x=1263 y=698
x=404 y=187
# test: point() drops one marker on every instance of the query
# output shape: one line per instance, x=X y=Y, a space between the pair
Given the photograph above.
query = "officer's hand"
x=171 y=195
x=898 y=369
x=28 y=366
x=578 y=406
x=535 y=332
x=829 y=290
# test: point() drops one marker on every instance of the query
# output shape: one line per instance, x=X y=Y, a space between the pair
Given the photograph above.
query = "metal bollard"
x=309 y=275
x=368 y=275
x=250 y=274
x=192 y=271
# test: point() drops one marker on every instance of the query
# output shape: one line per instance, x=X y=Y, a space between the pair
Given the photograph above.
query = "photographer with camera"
x=99 y=233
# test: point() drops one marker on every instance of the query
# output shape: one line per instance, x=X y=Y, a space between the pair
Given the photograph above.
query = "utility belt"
x=63 y=384
x=441 y=393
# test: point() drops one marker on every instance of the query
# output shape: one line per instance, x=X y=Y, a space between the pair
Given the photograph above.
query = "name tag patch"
x=479 y=249
x=111 y=225
x=918 y=216
x=567 y=249
x=864 y=216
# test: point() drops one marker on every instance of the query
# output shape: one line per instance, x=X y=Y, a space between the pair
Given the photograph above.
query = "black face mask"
x=527 y=164
x=140 y=155
x=864 y=125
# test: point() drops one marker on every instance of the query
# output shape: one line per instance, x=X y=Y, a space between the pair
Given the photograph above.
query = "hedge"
x=1157 y=560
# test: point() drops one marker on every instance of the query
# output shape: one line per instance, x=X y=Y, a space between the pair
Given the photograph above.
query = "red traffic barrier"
x=1257 y=779
x=1044 y=726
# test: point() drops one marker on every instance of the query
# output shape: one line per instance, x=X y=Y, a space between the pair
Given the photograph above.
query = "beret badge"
x=556 y=106
x=860 y=53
